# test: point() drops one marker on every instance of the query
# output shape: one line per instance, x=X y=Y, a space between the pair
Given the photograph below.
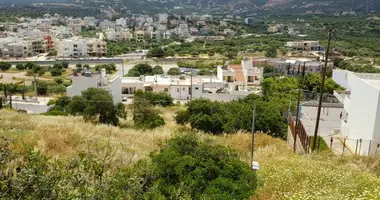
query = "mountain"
x=29 y=1
x=300 y=6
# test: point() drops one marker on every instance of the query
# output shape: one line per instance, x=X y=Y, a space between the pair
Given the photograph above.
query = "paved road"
x=327 y=125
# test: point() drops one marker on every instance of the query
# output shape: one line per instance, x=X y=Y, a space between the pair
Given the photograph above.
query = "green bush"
x=174 y=71
x=144 y=114
x=157 y=70
x=184 y=168
x=55 y=71
x=140 y=69
x=201 y=171
x=155 y=98
x=4 y=66
x=41 y=72
x=20 y=66
x=110 y=68
x=65 y=64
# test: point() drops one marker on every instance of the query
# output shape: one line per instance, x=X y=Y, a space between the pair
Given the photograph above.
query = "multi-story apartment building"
x=38 y=45
x=96 y=47
x=304 y=45
x=139 y=35
x=19 y=49
x=74 y=47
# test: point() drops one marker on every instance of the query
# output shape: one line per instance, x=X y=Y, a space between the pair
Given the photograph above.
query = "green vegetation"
x=355 y=66
x=140 y=70
x=321 y=144
x=145 y=116
x=199 y=65
x=174 y=71
x=183 y=168
x=84 y=160
x=110 y=68
x=271 y=108
x=4 y=66
x=94 y=105
x=87 y=32
x=160 y=98
x=157 y=70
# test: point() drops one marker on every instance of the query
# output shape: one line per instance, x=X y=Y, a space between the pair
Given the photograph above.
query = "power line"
x=321 y=92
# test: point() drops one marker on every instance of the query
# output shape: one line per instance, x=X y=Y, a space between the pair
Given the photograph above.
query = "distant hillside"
x=299 y=6
x=28 y=1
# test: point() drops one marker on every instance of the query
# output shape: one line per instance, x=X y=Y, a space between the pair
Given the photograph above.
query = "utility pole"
x=321 y=92
x=191 y=85
x=253 y=132
x=35 y=86
x=298 y=109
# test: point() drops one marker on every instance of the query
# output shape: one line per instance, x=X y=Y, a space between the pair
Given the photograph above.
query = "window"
x=75 y=45
x=166 y=89
x=183 y=89
x=196 y=88
x=177 y=89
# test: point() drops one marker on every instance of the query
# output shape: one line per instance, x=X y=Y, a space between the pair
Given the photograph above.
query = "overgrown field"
x=282 y=174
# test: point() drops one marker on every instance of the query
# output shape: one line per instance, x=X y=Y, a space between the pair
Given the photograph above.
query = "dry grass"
x=282 y=174
x=65 y=137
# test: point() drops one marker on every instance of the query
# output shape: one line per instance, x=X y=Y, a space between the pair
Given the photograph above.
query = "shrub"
x=29 y=65
x=58 y=66
x=174 y=71
x=145 y=116
x=55 y=71
x=201 y=171
x=110 y=68
x=4 y=66
x=20 y=66
x=41 y=72
x=157 y=70
x=140 y=69
x=65 y=64
x=42 y=88
x=154 y=98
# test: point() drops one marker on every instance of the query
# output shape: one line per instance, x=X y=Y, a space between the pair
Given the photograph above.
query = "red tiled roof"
x=239 y=76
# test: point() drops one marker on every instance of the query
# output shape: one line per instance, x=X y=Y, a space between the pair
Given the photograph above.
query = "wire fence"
x=335 y=139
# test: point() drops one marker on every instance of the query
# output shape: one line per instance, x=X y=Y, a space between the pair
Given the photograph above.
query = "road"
x=327 y=125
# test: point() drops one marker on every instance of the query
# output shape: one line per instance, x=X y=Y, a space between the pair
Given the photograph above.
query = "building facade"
x=362 y=109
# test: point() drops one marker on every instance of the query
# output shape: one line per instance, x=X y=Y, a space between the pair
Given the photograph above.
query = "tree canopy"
x=157 y=70
x=140 y=69
x=174 y=71
x=94 y=105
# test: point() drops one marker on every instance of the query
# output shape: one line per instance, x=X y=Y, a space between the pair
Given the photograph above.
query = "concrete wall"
x=222 y=97
x=115 y=89
x=290 y=141
x=179 y=92
x=363 y=109
x=341 y=77
x=81 y=83
x=197 y=90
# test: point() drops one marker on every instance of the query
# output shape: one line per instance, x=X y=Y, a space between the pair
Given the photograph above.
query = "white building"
x=82 y=82
x=121 y=22
x=74 y=47
x=163 y=18
x=362 y=109
x=183 y=31
x=304 y=45
x=123 y=34
x=19 y=49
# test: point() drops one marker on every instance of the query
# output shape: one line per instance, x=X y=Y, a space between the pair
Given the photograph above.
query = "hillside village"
x=188 y=106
